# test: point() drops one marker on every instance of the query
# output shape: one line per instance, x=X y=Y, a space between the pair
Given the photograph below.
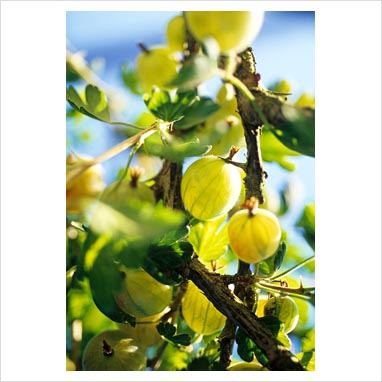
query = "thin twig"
x=79 y=169
x=297 y=266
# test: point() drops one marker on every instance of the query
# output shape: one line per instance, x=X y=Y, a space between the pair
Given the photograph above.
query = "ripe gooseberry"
x=199 y=313
x=176 y=33
x=155 y=67
x=210 y=187
x=145 y=331
x=234 y=31
x=112 y=350
x=254 y=233
x=142 y=295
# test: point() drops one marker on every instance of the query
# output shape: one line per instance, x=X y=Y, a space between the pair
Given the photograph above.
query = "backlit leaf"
x=105 y=278
x=307 y=223
x=272 y=150
x=195 y=71
x=209 y=238
x=298 y=132
x=94 y=105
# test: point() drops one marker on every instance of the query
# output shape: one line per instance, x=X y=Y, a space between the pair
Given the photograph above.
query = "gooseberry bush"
x=182 y=261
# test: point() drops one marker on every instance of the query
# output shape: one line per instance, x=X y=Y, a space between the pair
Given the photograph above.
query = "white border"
x=348 y=62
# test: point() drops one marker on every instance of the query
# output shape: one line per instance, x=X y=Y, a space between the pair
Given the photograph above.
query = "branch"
x=167 y=185
x=279 y=357
x=252 y=123
x=258 y=107
x=124 y=145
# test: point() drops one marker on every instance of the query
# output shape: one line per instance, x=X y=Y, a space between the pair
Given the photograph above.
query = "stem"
x=297 y=266
x=133 y=150
x=301 y=292
x=155 y=362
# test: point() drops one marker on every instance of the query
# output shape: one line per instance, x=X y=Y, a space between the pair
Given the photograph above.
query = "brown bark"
x=279 y=357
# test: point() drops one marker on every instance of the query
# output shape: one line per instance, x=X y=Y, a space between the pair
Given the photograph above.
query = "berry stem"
x=107 y=349
x=251 y=204
x=143 y=47
x=232 y=152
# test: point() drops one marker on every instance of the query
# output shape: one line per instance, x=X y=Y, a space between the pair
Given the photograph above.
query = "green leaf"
x=93 y=97
x=196 y=70
x=167 y=330
x=209 y=238
x=175 y=150
x=163 y=260
x=172 y=236
x=307 y=359
x=197 y=113
x=298 y=133
x=272 y=150
x=182 y=339
x=269 y=266
x=71 y=73
x=247 y=349
x=105 y=278
x=159 y=103
x=279 y=257
x=306 y=221
x=139 y=220
x=284 y=339
x=308 y=341
x=94 y=105
x=171 y=256
x=130 y=79
x=199 y=364
x=132 y=254
x=174 y=358
x=80 y=306
x=186 y=109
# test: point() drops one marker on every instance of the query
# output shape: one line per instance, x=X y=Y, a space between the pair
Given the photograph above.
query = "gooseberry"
x=254 y=234
x=142 y=295
x=285 y=309
x=121 y=193
x=233 y=30
x=155 y=67
x=210 y=187
x=176 y=33
x=70 y=365
x=145 y=331
x=246 y=366
x=199 y=313
x=112 y=350
x=85 y=187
